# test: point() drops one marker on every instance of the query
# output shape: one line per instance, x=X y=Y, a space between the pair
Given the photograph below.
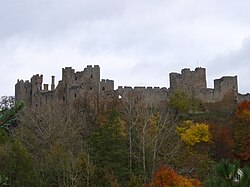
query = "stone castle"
x=87 y=85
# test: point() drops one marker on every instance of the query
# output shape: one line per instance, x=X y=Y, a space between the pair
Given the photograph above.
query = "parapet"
x=92 y=67
x=185 y=71
x=107 y=80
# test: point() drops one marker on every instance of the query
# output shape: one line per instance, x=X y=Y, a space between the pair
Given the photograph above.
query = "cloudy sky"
x=135 y=42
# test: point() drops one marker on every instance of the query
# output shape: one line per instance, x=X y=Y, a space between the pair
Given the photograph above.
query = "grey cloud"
x=235 y=62
x=45 y=17
x=134 y=42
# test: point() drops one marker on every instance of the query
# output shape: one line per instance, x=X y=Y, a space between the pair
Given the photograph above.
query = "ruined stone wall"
x=154 y=96
x=188 y=80
x=86 y=86
x=227 y=85
x=193 y=83
x=107 y=88
x=85 y=83
x=23 y=91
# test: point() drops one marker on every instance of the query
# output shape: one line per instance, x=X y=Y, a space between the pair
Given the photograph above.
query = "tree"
x=193 y=133
x=108 y=152
x=245 y=178
x=55 y=137
x=241 y=131
x=230 y=175
x=223 y=143
x=21 y=166
x=5 y=148
x=6 y=102
x=167 y=177
x=15 y=166
x=8 y=115
x=151 y=133
x=180 y=102
x=195 y=159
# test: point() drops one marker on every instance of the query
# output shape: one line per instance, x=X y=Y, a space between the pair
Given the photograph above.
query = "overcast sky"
x=135 y=42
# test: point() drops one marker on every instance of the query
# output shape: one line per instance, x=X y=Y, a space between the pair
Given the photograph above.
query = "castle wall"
x=226 y=86
x=23 y=91
x=153 y=96
x=86 y=85
x=193 y=83
x=80 y=84
x=107 y=88
x=243 y=97
x=189 y=82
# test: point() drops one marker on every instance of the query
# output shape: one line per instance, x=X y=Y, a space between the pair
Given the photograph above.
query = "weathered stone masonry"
x=87 y=84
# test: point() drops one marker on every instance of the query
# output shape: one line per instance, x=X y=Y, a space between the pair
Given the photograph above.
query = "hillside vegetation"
x=125 y=144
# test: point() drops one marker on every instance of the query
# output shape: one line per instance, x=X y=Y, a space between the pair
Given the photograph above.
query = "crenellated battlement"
x=188 y=79
x=87 y=84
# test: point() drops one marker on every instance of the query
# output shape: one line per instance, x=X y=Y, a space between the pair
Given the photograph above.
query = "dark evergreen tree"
x=109 y=151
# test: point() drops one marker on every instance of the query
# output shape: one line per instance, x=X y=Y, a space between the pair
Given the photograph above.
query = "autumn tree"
x=223 y=143
x=55 y=136
x=195 y=159
x=241 y=132
x=167 y=177
x=151 y=134
x=193 y=133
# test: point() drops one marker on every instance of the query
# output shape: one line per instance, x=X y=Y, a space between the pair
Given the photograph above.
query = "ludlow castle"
x=87 y=85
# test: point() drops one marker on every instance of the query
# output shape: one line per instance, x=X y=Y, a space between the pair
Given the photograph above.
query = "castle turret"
x=23 y=91
x=188 y=80
x=227 y=85
x=52 y=82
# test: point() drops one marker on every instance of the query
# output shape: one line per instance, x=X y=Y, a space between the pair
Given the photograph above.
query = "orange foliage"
x=223 y=142
x=243 y=106
x=242 y=132
x=167 y=177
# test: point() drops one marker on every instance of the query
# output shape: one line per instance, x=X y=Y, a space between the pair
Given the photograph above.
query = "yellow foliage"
x=153 y=122
x=192 y=133
x=245 y=115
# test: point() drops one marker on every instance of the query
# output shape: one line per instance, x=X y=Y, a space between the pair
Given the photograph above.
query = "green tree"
x=108 y=151
x=21 y=166
x=8 y=115
x=180 y=102
x=9 y=151
x=245 y=179
x=230 y=175
x=4 y=157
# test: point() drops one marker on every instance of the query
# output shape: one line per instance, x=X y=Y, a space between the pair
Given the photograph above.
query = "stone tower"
x=188 y=81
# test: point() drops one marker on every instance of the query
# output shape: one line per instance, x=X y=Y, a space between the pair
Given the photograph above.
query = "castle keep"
x=87 y=85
